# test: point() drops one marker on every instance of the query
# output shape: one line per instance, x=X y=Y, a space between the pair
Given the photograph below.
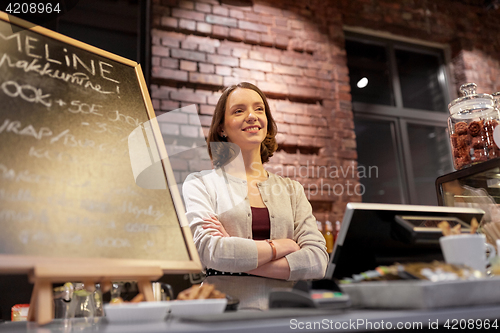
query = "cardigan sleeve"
x=228 y=254
x=311 y=260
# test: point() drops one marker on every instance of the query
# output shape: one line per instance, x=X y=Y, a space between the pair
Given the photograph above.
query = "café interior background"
x=359 y=88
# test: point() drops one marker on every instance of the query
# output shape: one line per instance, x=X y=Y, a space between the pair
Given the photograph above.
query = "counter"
x=281 y=321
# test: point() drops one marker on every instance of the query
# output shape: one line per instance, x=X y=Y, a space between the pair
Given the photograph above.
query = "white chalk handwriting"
x=78 y=78
x=12 y=215
x=84 y=108
x=14 y=196
x=112 y=242
x=16 y=127
x=27 y=176
x=26 y=92
x=141 y=227
x=46 y=238
x=129 y=207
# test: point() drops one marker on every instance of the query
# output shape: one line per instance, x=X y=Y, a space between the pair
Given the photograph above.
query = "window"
x=400 y=97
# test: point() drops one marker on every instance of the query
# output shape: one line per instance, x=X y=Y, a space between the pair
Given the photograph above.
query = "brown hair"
x=221 y=154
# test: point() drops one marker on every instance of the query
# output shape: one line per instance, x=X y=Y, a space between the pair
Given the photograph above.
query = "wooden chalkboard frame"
x=20 y=264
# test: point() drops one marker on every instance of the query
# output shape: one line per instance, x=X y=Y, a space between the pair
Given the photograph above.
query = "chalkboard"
x=67 y=189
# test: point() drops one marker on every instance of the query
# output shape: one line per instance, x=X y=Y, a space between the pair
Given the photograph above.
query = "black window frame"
x=400 y=115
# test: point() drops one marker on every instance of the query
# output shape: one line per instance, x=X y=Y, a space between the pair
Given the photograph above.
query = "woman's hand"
x=285 y=246
x=214 y=223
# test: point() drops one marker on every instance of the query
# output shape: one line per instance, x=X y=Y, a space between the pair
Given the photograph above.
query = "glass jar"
x=472 y=120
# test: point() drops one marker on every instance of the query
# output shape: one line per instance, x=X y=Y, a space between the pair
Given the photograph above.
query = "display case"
x=477 y=186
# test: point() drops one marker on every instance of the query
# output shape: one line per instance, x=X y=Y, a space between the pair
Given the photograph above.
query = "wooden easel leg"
x=32 y=309
x=44 y=310
x=146 y=289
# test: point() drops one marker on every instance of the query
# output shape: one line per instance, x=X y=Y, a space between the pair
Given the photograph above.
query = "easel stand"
x=43 y=276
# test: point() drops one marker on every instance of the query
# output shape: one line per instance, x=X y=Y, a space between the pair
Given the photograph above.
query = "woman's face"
x=245 y=122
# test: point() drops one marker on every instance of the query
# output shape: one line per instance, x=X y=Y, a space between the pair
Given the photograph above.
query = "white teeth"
x=251 y=128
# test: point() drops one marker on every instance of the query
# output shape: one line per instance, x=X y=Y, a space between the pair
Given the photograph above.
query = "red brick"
x=156 y=104
x=162 y=92
x=155 y=61
x=229 y=81
x=286 y=60
x=170 y=42
x=202 y=40
x=169 y=22
x=263 y=9
x=219 y=10
x=297 y=45
x=281 y=42
x=204 y=28
x=257 y=75
x=207 y=68
x=224 y=50
x=169 y=105
x=186 y=4
x=205 y=120
x=290 y=70
x=252 y=37
x=186 y=45
x=256 y=55
x=266 y=40
x=238 y=72
x=221 y=20
x=255 y=17
x=274 y=77
x=237 y=34
x=188 y=55
x=188 y=95
x=238 y=14
x=188 y=14
x=169 y=74
x=189 y=66
x=207 y=109
x=170 y=63
x=203 y=7
x=271 y=57
x=222 y=60
x=187 y=24
x=256 y=65
x=213 y=99
x=274 y=88
x=240 y=53
x=206 y=48
x=301 y=62
x=223 y=70
x=245 y=25
x=206 y=79
x=220 y=31
x=289 y=107
x=160 y=51
x=281 y=21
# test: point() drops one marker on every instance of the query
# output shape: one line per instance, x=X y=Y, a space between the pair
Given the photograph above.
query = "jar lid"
x=470 y=100
x=496 y=96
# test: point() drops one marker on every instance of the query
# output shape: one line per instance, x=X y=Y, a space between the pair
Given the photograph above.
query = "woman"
x=254 y=230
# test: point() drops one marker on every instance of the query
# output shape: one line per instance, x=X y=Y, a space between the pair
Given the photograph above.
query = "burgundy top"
x=261 y=223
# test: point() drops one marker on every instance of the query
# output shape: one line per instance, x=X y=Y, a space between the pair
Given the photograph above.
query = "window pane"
x=368 y=63
x=419 y=80
x=377 y=158
x=431 y=158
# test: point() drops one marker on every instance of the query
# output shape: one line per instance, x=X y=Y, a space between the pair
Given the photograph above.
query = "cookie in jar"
x=472 y=121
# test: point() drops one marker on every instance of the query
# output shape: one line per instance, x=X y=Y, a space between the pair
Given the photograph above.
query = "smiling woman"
x=254 y=230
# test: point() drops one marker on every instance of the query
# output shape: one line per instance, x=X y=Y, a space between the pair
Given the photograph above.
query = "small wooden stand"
x=43 y=276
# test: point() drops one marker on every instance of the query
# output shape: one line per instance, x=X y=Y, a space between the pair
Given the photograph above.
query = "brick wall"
x=294 y=51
